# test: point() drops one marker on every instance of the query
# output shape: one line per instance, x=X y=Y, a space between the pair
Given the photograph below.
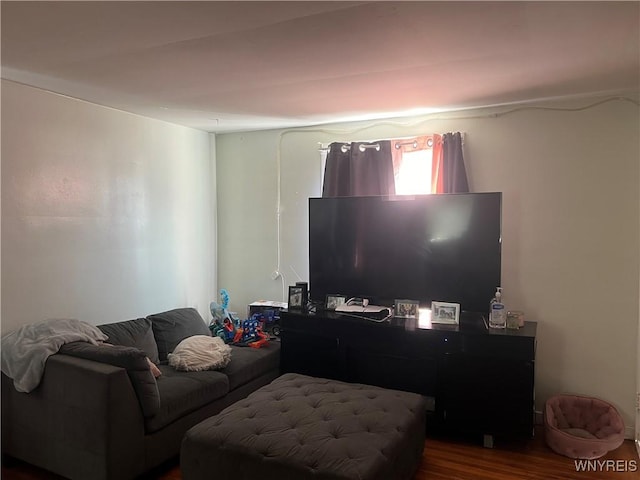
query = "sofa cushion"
x=249 y=363
x=133 y=333
x=133 y=360
x=185 y=392
x=170 y=328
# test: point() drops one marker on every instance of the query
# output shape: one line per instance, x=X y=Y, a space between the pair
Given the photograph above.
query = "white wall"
x=570 y=225
x=106 y=216
x=637 y=436
x=247 y=217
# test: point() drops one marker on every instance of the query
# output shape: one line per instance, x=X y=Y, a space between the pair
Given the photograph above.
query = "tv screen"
x=444 y=247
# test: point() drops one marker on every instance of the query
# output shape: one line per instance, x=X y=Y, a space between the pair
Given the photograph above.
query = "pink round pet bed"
x=582 y=427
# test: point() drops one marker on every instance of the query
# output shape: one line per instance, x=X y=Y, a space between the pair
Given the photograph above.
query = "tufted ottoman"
x=301 y=427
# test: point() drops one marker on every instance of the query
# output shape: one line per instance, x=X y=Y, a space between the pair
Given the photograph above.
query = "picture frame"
x=296 y=294
x=305 y=291
x=334 y=300
x=406 y=308
x=445 y=312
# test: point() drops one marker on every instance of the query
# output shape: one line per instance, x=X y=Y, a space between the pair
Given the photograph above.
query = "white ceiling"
x=239 y=66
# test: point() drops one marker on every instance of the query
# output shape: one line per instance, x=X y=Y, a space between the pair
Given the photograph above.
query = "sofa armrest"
x=132 y=359
x=83 y=421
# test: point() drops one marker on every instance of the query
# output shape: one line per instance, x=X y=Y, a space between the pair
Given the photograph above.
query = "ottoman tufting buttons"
x=338 y=432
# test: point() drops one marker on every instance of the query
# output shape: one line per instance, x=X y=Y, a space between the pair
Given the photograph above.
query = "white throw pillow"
x=200 y=352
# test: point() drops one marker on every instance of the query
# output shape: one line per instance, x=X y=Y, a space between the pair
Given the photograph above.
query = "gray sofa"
x=99 y=412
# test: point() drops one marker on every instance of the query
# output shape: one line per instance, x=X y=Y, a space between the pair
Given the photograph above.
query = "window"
x=413 y=176
x=416 y=165
x=413 y=165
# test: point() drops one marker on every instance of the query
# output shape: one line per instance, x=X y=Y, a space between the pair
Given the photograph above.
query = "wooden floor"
x=532 y=460
x=446 y=459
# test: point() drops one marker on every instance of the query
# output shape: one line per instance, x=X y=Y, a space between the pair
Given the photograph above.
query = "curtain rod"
x=414 y=144
x=362 y=147
x=322 y=147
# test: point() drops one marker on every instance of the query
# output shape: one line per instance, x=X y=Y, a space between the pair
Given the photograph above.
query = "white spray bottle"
x=497 y=314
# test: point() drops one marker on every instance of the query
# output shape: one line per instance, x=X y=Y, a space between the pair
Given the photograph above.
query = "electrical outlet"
x=275 y=275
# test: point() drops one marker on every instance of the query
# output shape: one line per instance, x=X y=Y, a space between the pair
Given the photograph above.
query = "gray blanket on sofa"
x=26 y=350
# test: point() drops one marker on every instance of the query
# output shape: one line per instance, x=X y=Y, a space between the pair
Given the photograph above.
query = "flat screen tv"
x=443 y=247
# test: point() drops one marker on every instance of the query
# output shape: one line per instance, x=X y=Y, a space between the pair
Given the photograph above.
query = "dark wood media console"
x=481 y=380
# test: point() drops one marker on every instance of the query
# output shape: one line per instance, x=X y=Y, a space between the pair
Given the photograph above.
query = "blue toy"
x=223 y=324
x=220 y=312
x=270 y=320
x=251 y=334
x=226 y=330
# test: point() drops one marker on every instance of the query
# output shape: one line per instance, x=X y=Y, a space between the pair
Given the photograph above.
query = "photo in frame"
x=406 y=308
x=296 y=294
x=334 y=301
x=445 y=312
x=305 y=291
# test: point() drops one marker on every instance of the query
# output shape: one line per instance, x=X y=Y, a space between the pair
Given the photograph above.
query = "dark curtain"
x=454 y=173
x=359 y=169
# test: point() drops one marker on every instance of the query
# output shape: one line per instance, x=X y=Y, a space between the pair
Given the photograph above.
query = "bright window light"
x=414 y=175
